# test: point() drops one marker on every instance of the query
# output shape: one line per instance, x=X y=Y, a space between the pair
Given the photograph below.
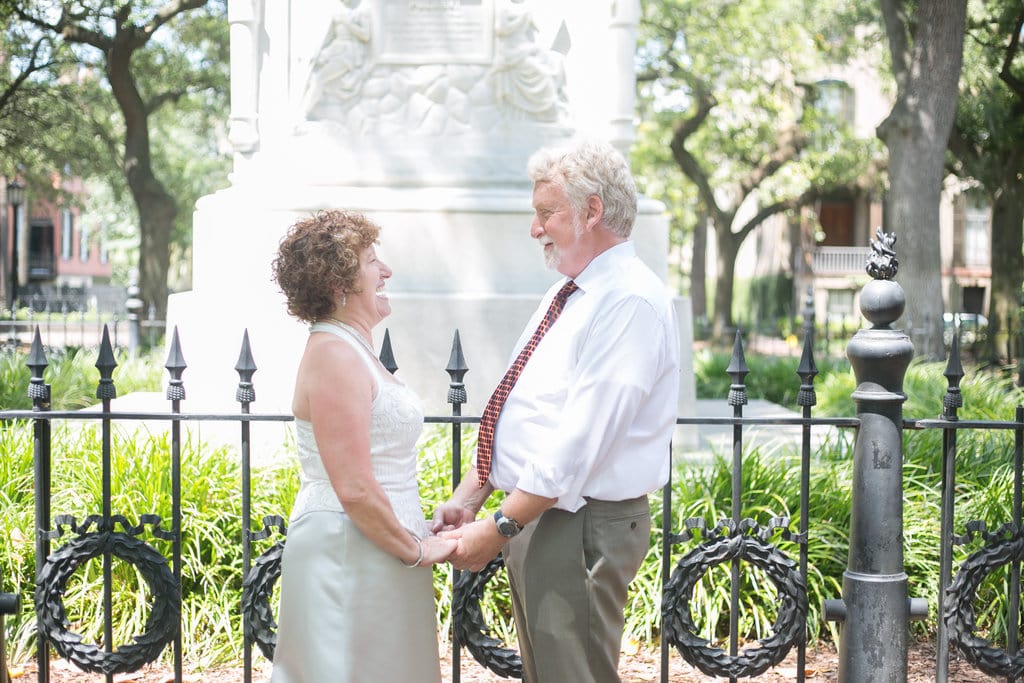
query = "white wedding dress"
x=350 y=612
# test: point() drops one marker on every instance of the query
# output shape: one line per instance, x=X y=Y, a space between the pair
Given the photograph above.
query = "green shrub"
x=73 y=377
x=771 y=378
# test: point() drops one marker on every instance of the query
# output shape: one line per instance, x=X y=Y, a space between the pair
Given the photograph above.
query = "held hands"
x=451 y=515
x=436 y=549
x=478 y=543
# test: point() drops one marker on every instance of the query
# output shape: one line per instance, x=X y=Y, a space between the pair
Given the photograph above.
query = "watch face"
x=506 y=527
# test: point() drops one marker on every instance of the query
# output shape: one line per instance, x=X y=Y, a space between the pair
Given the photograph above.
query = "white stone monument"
x=421 y=113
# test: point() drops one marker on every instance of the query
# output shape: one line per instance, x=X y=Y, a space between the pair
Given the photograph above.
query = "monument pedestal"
x=421 y=115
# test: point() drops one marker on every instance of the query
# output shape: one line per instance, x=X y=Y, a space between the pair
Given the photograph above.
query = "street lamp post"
x=15 y=197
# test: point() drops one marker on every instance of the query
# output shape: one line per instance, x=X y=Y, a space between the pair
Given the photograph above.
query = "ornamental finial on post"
x=882 y=299
x=882 y=263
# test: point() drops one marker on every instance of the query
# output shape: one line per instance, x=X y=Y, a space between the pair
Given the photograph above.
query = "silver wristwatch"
x=507 y=526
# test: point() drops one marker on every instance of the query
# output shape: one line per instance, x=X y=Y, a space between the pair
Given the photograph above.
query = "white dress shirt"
x=592 y=414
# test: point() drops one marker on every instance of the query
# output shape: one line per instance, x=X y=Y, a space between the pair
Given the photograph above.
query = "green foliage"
x=73 y=377
x=763 y=303
x=771 y=378
x=728 y=99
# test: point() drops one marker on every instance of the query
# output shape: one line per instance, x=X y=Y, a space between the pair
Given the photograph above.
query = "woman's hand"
x=436 y=549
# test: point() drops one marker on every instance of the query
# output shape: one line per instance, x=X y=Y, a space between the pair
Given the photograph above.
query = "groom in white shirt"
x=579 y=431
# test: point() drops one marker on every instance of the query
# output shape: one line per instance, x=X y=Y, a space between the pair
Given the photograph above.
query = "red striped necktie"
x=489 y=419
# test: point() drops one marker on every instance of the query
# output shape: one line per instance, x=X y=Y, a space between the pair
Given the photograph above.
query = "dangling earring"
x=344 y=300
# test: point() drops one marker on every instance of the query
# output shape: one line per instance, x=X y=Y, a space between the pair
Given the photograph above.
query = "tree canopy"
x=728 y=94
x=133 y=93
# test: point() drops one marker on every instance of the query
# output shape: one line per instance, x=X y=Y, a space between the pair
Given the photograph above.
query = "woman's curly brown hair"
x=319 y=257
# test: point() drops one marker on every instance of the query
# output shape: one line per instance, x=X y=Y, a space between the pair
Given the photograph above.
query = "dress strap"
x=354 y=341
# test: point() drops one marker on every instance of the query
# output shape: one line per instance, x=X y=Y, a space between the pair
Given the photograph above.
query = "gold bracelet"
x=419 y=546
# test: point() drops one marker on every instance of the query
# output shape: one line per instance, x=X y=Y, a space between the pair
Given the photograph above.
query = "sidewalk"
x=716 y=439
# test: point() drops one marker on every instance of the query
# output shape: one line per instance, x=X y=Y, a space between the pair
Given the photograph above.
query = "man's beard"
x=553 y=257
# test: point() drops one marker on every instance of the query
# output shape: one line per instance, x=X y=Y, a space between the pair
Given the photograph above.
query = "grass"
x=211 y=479
x=73 y=377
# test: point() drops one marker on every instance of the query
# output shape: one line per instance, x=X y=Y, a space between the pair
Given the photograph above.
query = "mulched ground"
x=643 y=666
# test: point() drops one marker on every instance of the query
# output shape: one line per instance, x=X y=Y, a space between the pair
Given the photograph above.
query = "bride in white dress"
x=357 y=600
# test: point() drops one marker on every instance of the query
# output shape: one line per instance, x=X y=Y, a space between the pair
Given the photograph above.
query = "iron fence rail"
x=696 y=547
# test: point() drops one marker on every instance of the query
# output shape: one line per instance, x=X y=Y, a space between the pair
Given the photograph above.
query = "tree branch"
x=689 y=165
x=790 y=143
x=163 y=98
x=808 y=197
x=895 y=19
x=31 y=68
x=1012 y=49
x=67 y=29
x=168 y=12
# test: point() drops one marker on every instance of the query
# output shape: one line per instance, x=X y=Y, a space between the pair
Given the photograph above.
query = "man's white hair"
x=583 y=168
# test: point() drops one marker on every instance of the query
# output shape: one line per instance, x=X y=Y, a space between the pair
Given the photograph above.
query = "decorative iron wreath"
x=260 y=625
x=959 y=608
x=471 y=628
x=788 y=629
x=164 y=616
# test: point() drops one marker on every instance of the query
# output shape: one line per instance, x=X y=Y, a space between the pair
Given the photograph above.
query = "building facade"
x=52 y=260
x=824 y=249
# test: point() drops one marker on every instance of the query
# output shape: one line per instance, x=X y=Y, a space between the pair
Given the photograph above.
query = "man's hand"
x=451 y=515
x=479 y=543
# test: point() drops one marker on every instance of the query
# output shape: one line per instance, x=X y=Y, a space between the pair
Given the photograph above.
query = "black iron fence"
x=874 y=609
x=64 y=326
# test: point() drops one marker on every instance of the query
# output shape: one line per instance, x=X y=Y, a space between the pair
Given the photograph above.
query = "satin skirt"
x=350 y=612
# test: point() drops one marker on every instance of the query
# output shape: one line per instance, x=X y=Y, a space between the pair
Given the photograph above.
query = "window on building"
x=41 y=250
x=104 y=255
x=835 y=98
x=67 y=233
x=976 y=222
x=840 y=303
x=83 y=243
x=836 y=218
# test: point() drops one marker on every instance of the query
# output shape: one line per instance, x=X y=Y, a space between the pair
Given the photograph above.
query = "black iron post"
x=873 y=642
x=133 y=304
x=245 y=394
x=39 y=392
x=9 y=604
x=457 y=396
x=15 y=197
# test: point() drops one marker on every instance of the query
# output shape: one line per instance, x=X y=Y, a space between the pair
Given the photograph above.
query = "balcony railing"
x=839 y=260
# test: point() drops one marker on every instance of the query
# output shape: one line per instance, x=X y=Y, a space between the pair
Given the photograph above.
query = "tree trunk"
x=723 y=327
x=914 y=216
x=698 y=269
x=157 y=208
x=1004 y=312
x=916 y=134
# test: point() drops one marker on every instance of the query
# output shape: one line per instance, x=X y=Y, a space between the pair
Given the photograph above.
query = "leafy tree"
x=127 y=72
x=925 y=40
x=988 y=143
x=725 y=90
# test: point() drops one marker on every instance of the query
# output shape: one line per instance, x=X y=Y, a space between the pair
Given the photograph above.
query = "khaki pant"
x=569 y=574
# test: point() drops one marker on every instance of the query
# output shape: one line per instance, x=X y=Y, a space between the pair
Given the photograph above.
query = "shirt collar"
x=604 y=264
